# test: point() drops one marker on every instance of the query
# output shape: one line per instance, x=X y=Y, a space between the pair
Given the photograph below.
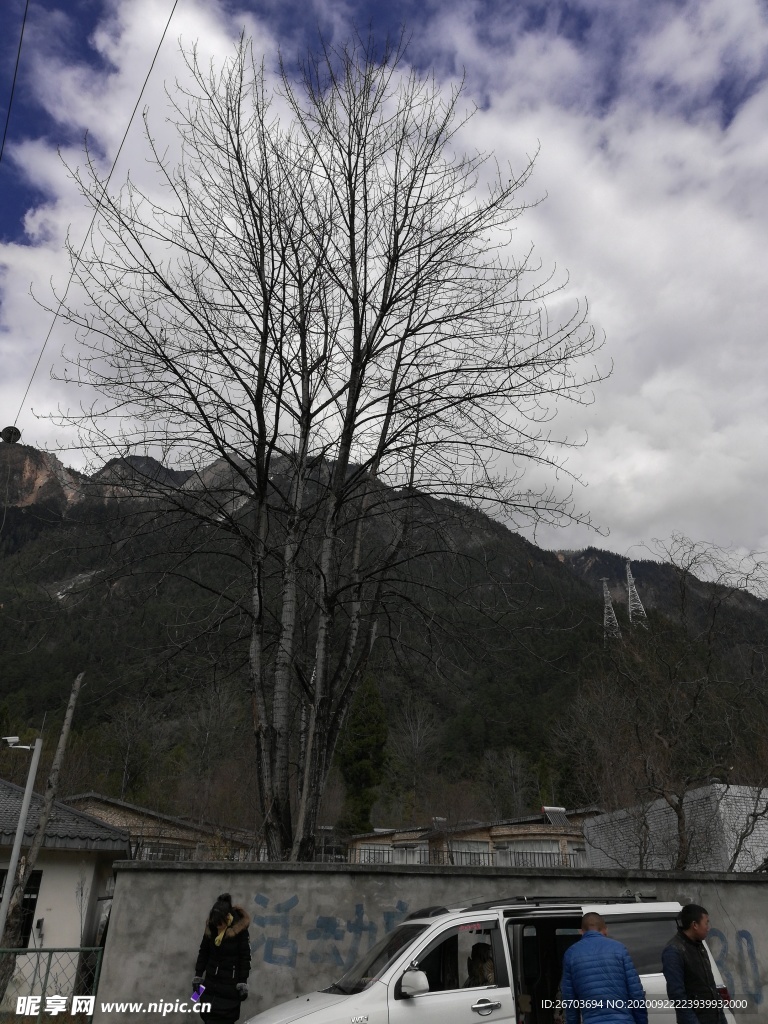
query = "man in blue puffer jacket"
x=598 y=971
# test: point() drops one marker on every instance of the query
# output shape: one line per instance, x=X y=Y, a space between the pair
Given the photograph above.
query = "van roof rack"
x=427 y=912
x=537 y=901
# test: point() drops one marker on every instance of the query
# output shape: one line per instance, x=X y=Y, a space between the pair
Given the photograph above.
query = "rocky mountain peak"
x=32 y=477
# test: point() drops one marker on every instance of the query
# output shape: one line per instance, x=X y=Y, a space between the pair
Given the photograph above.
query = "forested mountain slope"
x=481 y=647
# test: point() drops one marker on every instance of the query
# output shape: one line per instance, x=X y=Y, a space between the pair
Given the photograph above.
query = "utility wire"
x=13 y=84
x=95 y=213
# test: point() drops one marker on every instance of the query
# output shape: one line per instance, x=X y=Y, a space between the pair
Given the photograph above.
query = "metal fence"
x=523 y=859
x=42 y=981
x=461 y=858
x=326 y=854
x=468 y=858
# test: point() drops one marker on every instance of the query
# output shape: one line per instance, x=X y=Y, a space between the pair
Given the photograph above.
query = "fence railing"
x=521 y=859
x=467 y=858
x=462 y=858
x=176 y=851
x=45 y=981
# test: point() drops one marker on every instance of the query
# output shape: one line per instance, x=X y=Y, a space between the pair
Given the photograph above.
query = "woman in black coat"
x=224 y=961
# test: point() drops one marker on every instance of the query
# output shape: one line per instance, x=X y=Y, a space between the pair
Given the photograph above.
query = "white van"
x=501 y=960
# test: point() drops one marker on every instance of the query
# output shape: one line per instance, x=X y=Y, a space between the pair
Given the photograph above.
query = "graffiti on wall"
x=738 y=963
x=279 y=930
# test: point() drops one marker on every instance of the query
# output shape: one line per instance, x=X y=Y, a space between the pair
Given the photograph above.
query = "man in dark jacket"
x=688 y=971
x=599 y=979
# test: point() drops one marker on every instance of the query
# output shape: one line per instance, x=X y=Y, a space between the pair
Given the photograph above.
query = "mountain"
x=664 y=588
x=88 y=580
x=34 y=478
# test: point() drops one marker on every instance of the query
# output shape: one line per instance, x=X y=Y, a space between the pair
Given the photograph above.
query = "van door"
x=645 y=938
x=538 y=946
x=466 y=967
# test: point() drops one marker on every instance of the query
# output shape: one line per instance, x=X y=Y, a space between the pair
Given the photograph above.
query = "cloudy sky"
x=650 y=117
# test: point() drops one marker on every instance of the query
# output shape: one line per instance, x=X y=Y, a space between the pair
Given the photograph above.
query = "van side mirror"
x=413 y=983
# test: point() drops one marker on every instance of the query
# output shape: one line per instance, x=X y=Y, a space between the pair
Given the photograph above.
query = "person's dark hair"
x=481 y=951
x=220 y=911
x=691 y=913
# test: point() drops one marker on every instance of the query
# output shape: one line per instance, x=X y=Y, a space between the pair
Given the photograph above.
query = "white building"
x=66 y=900
x=725 y=829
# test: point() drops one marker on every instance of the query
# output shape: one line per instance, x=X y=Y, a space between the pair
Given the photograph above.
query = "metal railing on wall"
x=50 y=981
x=467 y=858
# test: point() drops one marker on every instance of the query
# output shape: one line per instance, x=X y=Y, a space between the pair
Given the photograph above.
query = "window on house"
x=29 y=903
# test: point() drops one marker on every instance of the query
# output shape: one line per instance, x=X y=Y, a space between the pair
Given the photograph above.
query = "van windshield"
x=377 y=959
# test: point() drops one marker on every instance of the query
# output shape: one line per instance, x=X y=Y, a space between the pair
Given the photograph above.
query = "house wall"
x=542 y=844
x=57 y=899
x=57 y=903
x=311 y=922
x=142 y=825
x=63 y=874
x=734 y=807
x=716 y=819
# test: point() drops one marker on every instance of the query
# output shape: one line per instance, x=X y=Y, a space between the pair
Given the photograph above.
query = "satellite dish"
x=10 y=434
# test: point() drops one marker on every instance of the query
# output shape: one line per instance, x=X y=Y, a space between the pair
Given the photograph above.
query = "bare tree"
x=509 y=782
x=682 y=706
x=318 y=313
x=412 y=744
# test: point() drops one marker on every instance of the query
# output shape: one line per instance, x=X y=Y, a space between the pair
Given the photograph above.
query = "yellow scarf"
x=220 y=936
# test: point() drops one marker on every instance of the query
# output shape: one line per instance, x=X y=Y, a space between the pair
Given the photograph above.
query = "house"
x=73 y=873
x=65 y=902
x=551 y=838
x=156 y=836
x=725 y=829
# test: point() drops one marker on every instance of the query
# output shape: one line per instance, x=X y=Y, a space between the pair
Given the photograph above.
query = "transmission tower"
x=611 y=629
x=637 y=616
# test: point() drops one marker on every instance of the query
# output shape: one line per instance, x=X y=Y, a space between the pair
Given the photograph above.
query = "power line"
x=13 y=83
x=95 y=213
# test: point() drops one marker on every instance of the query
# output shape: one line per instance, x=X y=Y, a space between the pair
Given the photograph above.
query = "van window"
x=465 y=956
x=644 y=940
x=378 y=959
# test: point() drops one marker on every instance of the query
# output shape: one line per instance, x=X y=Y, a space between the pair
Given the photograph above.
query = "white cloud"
x=657 y=206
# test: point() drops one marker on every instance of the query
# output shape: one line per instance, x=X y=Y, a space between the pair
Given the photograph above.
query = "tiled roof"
x=226 y=831
x=67 y=829
x=429 y=831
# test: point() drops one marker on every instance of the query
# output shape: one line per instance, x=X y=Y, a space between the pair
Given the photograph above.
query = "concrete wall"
x=311 y=922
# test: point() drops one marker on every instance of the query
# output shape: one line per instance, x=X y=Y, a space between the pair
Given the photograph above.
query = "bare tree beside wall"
x=320 y=299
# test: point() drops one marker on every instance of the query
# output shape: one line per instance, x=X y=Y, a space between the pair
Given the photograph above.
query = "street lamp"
x=13 y=743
